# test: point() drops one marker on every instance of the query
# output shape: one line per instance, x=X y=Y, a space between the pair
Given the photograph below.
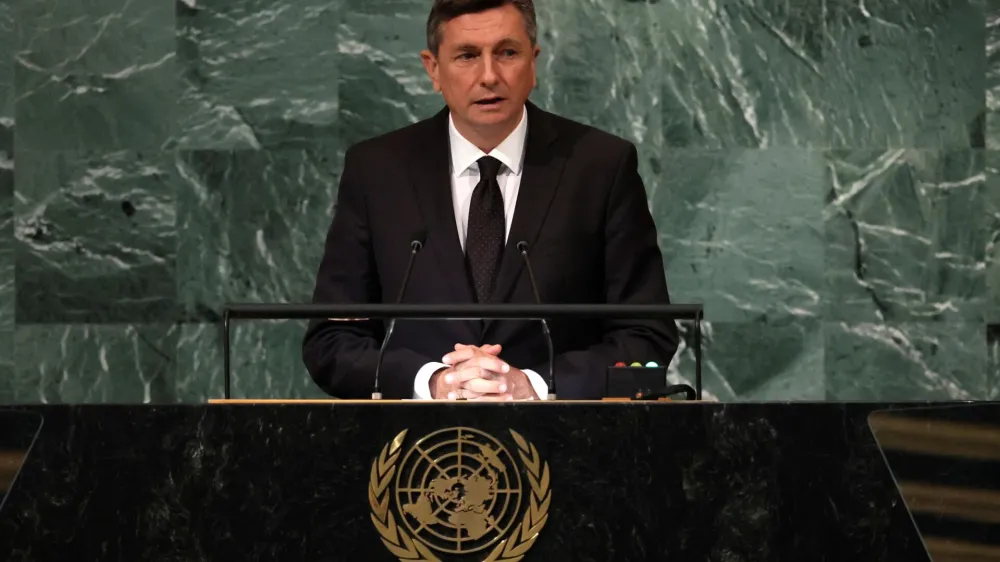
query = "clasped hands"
x=477 y=373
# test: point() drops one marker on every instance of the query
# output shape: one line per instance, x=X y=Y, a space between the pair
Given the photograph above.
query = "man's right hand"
x=472 y=377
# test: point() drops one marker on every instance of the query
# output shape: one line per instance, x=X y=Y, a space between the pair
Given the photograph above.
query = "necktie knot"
x=489 y=167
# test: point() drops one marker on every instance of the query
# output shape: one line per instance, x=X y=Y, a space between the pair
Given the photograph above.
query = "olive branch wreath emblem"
x=510 y=549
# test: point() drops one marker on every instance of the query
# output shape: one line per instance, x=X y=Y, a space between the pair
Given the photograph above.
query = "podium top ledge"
x=275 y=401
x=509 y=311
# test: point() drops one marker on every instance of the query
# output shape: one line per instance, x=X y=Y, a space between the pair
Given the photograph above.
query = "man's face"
x=485 y=67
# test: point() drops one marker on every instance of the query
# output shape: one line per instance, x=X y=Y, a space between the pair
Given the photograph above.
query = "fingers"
x=490 y=348
x=465 y=352
x=477 y=374
x=459 y=355
x=476 y=379
x=488 y=362
x=483 y=367
x=485 y=386
x=481 y=374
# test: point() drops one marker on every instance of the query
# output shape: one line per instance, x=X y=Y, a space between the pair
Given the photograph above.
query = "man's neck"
x=486 y=138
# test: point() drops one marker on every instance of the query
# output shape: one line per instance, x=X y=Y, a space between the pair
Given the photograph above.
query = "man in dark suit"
x=487 y=172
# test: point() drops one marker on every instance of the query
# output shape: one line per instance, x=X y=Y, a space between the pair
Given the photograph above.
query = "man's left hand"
x=518 y=385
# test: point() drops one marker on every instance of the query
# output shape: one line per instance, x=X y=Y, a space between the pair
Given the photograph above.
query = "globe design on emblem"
x=458 y=490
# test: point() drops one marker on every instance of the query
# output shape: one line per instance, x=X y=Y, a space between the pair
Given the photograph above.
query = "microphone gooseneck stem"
x=552 y=360
x=377 y=392
x=415 y=247
x=523 y=247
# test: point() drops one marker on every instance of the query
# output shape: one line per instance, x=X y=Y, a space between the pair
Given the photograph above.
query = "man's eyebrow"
x=505 y=42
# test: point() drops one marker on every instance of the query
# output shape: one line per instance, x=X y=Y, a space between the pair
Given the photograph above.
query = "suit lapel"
x=430 y=174
x=540 y=177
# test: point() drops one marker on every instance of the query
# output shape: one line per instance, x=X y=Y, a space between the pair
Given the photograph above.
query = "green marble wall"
x=823 y=176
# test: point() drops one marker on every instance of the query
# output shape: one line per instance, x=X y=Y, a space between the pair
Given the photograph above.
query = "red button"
x=620 y=364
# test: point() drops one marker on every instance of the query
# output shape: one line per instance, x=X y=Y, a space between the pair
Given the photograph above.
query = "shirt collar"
x=510 y=152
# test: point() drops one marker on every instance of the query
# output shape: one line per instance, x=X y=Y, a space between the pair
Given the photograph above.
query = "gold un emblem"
x=459 y=492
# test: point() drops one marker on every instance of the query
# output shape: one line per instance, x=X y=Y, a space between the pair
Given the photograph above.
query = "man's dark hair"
x=444 y=11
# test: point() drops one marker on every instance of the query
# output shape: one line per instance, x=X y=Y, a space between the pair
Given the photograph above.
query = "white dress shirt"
x=464 y=177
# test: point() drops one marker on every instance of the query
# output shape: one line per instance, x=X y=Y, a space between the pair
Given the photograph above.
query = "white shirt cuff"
x=537 y=383
x=422 y=382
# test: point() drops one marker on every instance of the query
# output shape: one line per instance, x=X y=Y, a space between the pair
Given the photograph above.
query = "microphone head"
x=417 y=243
x=522 y=247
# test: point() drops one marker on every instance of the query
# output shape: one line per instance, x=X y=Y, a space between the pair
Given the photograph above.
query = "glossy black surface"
x=733 y=482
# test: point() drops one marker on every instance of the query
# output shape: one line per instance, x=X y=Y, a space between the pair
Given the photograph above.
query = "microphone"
x=415 y=246
x=522 y=247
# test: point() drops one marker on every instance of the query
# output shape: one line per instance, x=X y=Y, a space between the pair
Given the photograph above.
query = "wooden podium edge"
x=280 y=401
x=245 y=401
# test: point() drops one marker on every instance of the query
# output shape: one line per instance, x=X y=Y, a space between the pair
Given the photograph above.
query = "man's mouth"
x=489 y=101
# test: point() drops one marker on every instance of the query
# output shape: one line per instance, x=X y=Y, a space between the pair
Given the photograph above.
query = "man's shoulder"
x=399 y=141
x=587 y=139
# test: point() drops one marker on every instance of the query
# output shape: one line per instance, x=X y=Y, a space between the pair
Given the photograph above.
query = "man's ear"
x=431 y=66
x=534 y=57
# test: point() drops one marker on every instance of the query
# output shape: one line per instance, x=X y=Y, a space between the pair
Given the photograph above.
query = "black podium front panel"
x=390 y=481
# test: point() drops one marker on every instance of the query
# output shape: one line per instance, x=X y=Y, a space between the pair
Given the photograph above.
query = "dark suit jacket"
x=582 y=209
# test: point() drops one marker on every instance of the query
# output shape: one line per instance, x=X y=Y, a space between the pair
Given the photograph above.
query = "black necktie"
x=484 y=238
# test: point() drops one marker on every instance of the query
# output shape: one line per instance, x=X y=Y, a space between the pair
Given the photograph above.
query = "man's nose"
x=489 y=76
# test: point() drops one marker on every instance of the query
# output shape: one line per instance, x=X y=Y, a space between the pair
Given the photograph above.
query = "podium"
x=633 y=383
x=387 y=480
